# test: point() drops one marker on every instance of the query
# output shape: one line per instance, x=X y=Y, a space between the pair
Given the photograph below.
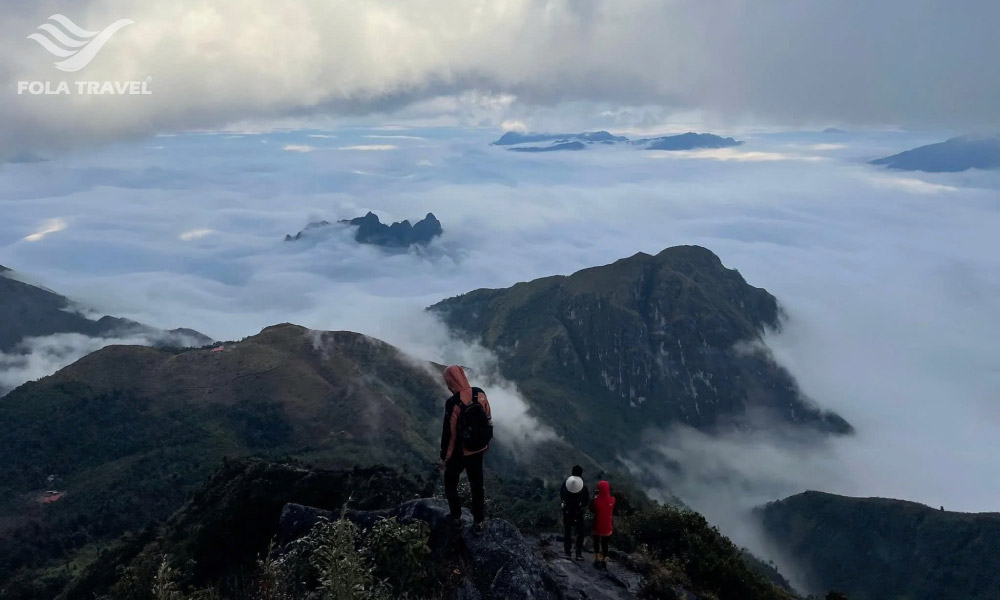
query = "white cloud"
x=41 y=356
x=729 y=154
x=395 y=137
x=298 y=148
x=370 y=147
x=195 y=234
x=48 y=227
x=514 y=125
x=911 y=184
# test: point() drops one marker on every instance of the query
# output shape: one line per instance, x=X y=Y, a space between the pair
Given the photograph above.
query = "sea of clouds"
x=325 y=110
x=890 y=281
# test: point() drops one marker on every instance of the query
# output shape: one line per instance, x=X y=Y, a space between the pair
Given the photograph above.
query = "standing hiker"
x=575 y=496
x=603 y=506
x=465 y=438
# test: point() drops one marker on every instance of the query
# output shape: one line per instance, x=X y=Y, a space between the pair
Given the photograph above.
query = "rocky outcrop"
x=501 y=563
x=579 y=579
x=398 y=235
x=371 y=230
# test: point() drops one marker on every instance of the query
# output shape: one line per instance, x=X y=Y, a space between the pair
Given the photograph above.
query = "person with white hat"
x=575 y=499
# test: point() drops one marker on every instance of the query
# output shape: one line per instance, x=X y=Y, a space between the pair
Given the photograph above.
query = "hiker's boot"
x=604 y=562
x=579 y=555
x=597 y=560
x=566 y=551
x=479 y=528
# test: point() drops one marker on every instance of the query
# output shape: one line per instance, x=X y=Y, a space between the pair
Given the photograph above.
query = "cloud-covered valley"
x=890 y=282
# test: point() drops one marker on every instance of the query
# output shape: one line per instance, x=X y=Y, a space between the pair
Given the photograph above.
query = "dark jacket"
x=574 y=505
x=449 y=429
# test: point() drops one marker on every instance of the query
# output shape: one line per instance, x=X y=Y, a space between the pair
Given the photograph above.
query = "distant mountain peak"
x=580 y=141
x=400 y=234
x=950 y=156
x=371 y=230
x=688 y=141
x=512 y=138
x=644 y=341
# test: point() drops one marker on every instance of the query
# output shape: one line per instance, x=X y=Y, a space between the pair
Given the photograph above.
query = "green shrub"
x=343 y=573
x=165 y=582
x=398 y=553
x=689 y=550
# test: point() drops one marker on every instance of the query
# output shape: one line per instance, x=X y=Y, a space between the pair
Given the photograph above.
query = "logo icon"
x=76 y=45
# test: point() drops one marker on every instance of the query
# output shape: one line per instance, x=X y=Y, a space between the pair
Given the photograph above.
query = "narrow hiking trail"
x=581 y=579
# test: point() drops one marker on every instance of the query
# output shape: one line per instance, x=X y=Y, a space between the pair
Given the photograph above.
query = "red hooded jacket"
x=603 y=505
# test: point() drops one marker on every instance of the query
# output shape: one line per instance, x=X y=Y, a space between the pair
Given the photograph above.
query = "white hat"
x=574 y=484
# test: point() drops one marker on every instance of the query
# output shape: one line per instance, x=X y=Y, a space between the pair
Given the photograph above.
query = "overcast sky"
x=913 y=63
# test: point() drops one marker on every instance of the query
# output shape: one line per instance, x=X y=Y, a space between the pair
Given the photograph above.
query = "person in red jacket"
x=603 y=507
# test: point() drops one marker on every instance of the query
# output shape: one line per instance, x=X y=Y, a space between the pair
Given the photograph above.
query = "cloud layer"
x=779 y=61
x=890 y=283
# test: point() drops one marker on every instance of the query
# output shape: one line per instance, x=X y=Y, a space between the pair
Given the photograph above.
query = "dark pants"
x=571 y=522
x=473 y=467
x=601 y=544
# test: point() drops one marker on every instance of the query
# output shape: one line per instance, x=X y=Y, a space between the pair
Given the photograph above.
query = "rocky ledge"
x=499 y=563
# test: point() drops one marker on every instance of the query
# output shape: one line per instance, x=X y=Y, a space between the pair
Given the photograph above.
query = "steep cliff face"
x=875 y=548
x=671 y=338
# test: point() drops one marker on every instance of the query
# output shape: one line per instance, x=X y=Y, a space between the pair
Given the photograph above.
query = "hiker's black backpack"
x=475 y=430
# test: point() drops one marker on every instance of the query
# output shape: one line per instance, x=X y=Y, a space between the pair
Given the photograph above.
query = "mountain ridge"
x=28 y=311
x=950 y=156
x=580 y=141
x=646 y=340
x=874 y=548
x=126 y=433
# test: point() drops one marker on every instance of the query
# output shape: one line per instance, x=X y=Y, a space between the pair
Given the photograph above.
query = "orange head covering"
x=455 y=379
